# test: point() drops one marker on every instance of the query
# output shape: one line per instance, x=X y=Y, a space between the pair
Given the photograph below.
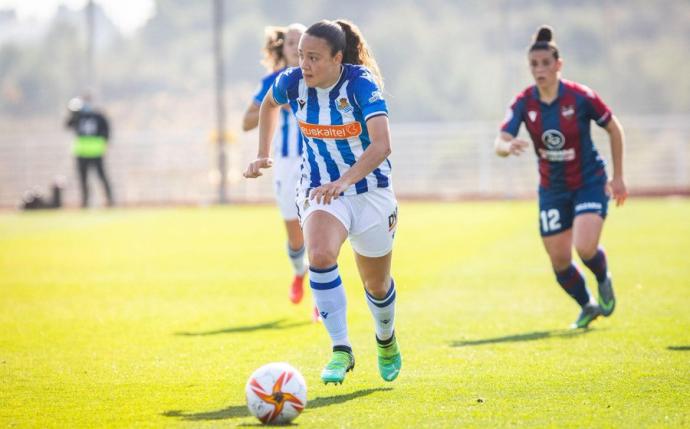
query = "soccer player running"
x=280 y=51
x=573 y=190
x=345 y=189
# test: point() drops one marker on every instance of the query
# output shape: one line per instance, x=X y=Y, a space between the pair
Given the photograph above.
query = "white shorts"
x=370 y=219
x=286 y=176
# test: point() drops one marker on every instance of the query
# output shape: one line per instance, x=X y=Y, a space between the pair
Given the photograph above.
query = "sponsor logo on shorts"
x=346 y=131
x=591 y=205
x=393 y=220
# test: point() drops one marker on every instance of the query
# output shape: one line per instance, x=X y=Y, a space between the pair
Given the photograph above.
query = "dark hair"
x=273 y=48
x=543 y=41
x=344 y=36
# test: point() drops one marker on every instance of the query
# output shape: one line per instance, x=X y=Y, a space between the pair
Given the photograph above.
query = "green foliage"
x=442 y=60
x=155 y=318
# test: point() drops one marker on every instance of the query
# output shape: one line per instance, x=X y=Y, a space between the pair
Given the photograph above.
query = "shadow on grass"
x=235 y=411
x=276 y=324
x=529 y=336
x=679 y=348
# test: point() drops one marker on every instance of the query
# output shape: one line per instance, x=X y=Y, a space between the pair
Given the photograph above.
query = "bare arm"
x=505 y=144
x=268 y=121
x=373 y=156
x=251 y=117
x=617 y=184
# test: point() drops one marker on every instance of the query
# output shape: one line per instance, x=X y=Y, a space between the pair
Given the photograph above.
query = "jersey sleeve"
x=513 y=118
x=264 y=86
x=369 y=96
x=281 y=85
x=599 y=111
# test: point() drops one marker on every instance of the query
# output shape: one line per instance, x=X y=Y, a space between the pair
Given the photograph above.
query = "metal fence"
x=430 y=160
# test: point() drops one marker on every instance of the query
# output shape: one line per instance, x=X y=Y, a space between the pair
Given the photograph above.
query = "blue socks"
x=598 y=265
x=572 y=281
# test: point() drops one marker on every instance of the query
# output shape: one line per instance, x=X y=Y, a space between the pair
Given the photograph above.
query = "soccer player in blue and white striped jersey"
x=345 y=189
x=280 y=52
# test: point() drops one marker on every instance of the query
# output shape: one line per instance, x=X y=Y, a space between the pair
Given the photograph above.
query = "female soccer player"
x=280 y=52
x=573 y=190
x=345 y=188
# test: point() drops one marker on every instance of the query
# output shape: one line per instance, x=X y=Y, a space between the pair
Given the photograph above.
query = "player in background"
x=280 y=52
x=573 y=190
x=345 y=189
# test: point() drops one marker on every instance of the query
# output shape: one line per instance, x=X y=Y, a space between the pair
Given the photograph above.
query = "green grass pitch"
x=155 y=318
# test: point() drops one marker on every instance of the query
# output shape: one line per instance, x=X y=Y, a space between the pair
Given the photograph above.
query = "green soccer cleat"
x=590 y=311
x=341 y=362
x=607 y=301
x=389 y=359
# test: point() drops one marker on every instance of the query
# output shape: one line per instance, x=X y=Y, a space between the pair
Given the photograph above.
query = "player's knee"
x=322 y=257
x=586 y=251
x=377 y=287
x=560 y=262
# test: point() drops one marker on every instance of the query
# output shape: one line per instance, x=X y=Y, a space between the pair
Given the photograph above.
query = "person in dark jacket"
x=92 y=134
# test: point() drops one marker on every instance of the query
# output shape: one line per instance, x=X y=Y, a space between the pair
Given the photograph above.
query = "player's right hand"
x=254 y=168
x=517 y=146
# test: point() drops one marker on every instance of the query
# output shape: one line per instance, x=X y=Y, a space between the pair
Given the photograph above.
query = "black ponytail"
x=543 y=41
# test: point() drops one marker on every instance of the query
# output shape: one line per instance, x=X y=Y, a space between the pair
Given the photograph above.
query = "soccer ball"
x=276 y=393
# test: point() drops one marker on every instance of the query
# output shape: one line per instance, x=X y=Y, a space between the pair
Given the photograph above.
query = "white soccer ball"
x=276 y=393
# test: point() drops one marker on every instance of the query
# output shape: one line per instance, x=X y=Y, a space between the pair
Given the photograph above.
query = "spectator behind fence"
x=93 y=131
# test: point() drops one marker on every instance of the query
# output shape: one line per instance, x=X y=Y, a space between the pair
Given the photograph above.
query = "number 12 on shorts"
x=550 y=220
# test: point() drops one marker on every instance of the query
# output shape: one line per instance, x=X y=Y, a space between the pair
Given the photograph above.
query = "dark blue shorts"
x=558 y=209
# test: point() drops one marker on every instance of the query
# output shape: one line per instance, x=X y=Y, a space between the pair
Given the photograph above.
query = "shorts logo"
x=353 y=129
x=393 y=220
x=553 y=139
x=568 y=111
x=344 y=105
x=588 y=206
x=301 y=103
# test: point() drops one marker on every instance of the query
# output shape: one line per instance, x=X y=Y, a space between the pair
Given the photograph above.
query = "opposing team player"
x=573 y=190
x=280 y=52
x=345 y=188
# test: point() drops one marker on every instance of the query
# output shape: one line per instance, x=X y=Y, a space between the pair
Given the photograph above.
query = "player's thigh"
x=586 y=234
x=559 y=248
x=591 y=207
x=325 y=230
x=555 y=227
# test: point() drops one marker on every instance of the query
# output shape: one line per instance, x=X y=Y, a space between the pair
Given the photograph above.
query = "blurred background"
x=451 y=69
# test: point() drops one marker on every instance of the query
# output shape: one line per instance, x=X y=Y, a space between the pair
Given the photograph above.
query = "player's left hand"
x=618 y=190
x=328 y=192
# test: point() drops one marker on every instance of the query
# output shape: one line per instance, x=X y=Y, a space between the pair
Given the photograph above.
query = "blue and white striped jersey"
x=333 y=124
x=287 y=142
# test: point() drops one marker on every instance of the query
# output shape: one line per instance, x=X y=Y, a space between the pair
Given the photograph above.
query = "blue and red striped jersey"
x=561 y=134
